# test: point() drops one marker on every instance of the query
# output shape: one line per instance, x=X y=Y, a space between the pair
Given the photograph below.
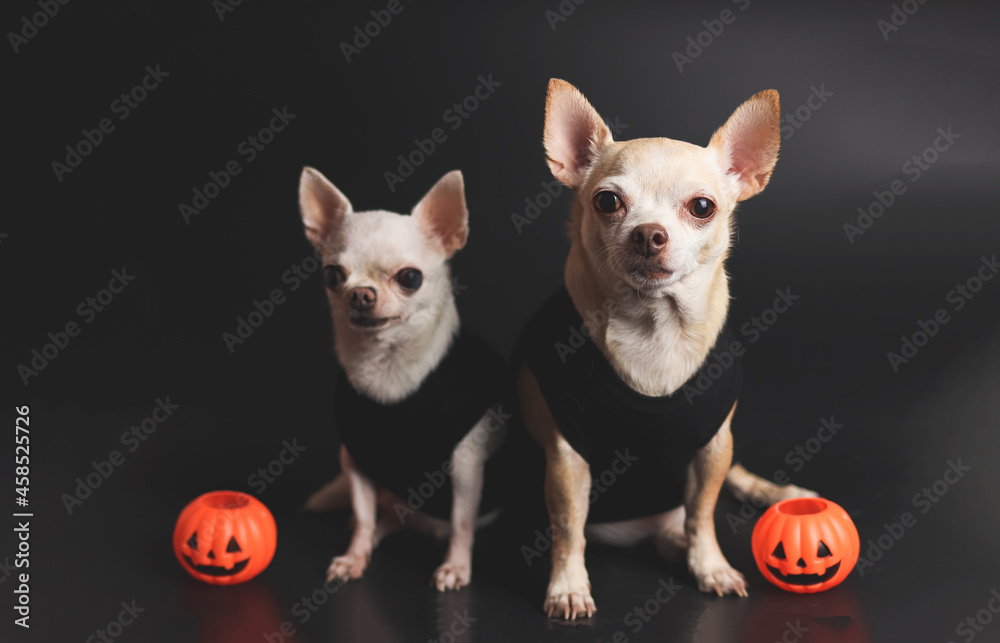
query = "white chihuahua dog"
x=629 y=371
x=415 y=406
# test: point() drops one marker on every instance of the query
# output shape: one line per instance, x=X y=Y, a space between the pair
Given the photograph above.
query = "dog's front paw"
x=568 y=596
x=720 y=579
x=451 y=575
x=348 y=567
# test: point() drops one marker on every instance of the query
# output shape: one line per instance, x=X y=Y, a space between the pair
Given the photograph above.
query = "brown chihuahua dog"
x=630 y=370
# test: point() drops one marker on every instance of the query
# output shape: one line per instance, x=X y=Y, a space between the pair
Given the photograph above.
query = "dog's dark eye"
x=334 y=276
x=824 y=551
x=410 y=278
x=607 y=202
x=779 y=551
x=701 y=207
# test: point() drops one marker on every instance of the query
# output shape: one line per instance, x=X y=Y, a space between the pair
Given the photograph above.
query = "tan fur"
x=662 y=311
x=567 y=491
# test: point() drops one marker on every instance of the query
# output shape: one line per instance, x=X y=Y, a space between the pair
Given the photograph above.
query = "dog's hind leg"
x=747 y=486
x=335 y=494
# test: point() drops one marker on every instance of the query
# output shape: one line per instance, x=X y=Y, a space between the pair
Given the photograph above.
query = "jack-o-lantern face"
x=805 y=544
x=216 y=570
x=225 y=537
x=824 y=570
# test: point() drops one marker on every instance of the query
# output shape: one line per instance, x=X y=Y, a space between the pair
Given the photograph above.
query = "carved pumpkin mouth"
x=214 y=570
x=805 y=579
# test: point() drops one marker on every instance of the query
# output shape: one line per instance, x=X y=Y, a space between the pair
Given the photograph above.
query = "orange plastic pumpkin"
x=805 y=545
x=225 y=537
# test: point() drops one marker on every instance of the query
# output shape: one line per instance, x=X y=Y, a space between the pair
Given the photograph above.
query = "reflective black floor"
x=101 y=562
x=919 y=585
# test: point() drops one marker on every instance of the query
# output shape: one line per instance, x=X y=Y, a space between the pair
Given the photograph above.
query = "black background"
x=826 y=357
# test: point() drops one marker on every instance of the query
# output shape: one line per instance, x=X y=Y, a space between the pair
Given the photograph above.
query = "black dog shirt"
x=407 y=446
x=638 y=447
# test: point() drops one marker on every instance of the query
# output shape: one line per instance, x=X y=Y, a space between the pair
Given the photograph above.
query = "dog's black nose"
x=648 y=239
x=363 y=299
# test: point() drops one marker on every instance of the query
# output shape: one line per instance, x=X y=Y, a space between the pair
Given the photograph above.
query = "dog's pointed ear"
x=574 y=133
x=323 y=205
x=748 y=143
x=443 y=215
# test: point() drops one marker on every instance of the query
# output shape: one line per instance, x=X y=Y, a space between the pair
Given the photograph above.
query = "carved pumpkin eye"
x=824 y=551
x=233 y=546
x=779 y=551
x=193 y=541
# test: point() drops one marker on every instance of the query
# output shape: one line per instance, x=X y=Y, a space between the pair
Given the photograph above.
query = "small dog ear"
x=574 y=133
x=442 y=213
x=323 y=205
x=749 y=142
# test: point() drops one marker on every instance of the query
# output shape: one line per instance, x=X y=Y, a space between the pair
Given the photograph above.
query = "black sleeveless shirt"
x=407 y=446
x=638 y=446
